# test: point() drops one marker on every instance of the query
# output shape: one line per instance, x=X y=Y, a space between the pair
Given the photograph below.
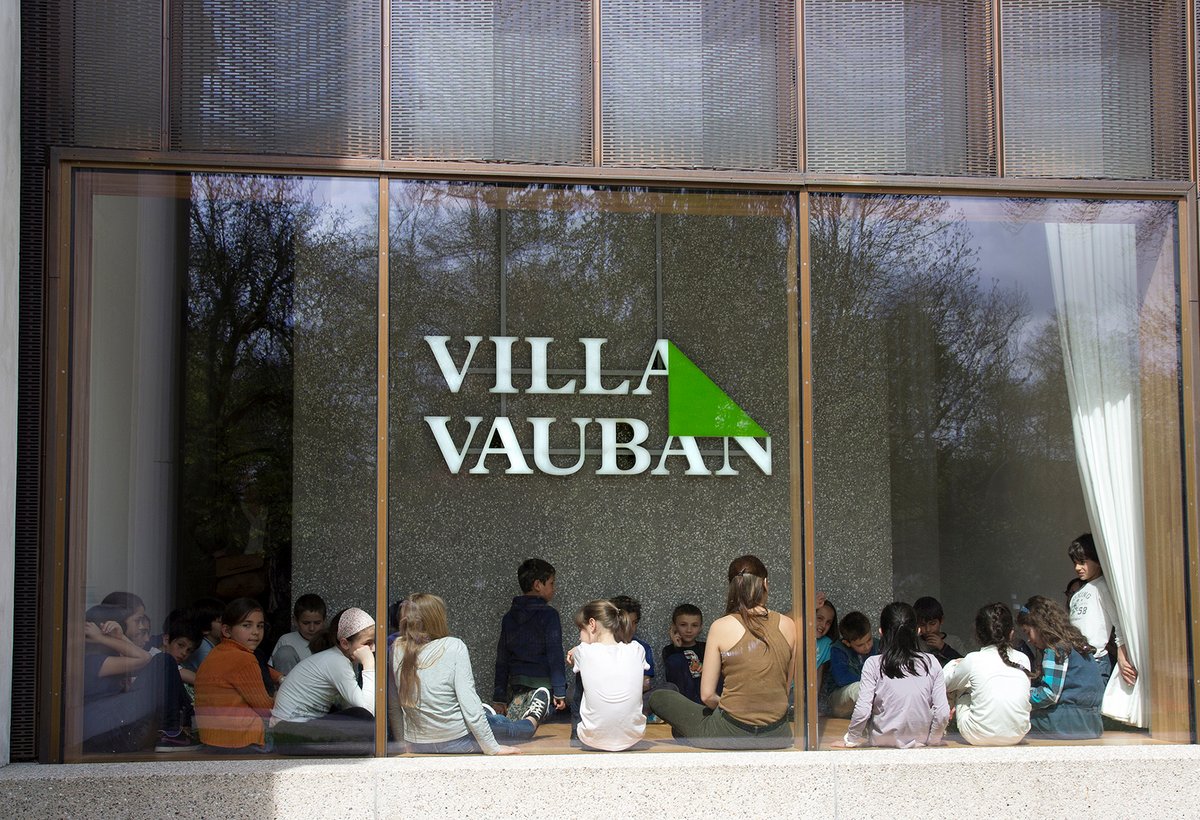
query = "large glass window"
x=991 y=379
x=224 y=433
x=600 y=379
x=531 y=417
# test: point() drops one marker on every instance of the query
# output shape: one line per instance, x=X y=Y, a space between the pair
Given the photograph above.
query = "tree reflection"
x=278 y=336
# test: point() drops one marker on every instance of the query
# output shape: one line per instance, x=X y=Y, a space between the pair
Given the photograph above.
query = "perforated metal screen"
x=277 y=77
x=492 y=80
x=117 y=74
x=899 y=86
x=1095 y=88
x=699 y=83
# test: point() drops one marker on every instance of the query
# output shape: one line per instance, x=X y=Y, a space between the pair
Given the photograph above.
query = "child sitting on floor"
x=930 y=617
x=902 y=697
x=612 y=668
x=309 y=615
x=990 y=688
x=1067 y=689
x=232 y=702
x=439 y=710
x=683 y=657
x=846 y=658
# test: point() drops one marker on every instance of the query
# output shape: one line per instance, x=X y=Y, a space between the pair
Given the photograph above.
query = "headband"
x=353 y=621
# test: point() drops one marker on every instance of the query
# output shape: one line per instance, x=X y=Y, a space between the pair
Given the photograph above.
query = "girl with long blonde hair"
x=440 y=711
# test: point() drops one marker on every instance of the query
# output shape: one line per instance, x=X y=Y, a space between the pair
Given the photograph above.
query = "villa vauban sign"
x=696 y=408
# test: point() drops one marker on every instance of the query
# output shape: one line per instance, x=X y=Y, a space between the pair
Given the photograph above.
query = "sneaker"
x=538 y=706
x=487 y=707
x=653 y=718
x=181 y=741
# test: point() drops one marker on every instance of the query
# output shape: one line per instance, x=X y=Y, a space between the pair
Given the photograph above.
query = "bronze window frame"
x=65 y=396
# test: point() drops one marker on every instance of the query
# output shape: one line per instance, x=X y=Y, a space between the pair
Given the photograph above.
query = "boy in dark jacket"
x=529 y=655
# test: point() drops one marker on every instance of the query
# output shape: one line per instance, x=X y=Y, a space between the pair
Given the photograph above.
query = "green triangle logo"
x=697 y=407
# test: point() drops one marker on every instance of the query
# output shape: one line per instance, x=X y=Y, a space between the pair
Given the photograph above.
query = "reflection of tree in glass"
x=271 y=274
x=932 y=387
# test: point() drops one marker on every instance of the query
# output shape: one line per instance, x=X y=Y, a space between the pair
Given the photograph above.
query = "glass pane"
x=495 y=269
x=991 y=379
x=229 y=436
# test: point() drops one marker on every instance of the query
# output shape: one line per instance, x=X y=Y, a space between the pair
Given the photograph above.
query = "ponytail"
x=747 y=592
x=609 y=616
x=899 y=645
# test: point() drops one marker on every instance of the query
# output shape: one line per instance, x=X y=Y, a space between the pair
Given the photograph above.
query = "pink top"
x=901 y=712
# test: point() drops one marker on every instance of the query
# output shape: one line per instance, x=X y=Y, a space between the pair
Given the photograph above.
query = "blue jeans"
x=502 y=729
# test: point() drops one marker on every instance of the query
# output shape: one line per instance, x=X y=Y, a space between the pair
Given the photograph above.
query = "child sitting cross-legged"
x=990 y=688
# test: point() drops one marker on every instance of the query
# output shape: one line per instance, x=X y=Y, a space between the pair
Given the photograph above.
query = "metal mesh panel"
x=45 y=120
x=279 y=78
x=117 y=74
x=899 y=87
x=699 y=83
x=1095 y=88
x=493 y=80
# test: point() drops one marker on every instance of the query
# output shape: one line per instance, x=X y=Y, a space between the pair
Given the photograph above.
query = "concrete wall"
x=1113 y=781
x=10 y=182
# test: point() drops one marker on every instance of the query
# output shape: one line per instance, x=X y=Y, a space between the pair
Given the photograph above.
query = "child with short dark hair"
x=206 y=615
x=309 y=615
x=846 y=659
x=683 y=657
x=1093 y=613
x=529 y=655
x=930 y=617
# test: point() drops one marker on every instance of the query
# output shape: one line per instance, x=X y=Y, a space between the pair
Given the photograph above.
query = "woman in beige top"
x=750 y=646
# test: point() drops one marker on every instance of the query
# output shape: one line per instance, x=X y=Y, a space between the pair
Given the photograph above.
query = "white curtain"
x=1094 y=270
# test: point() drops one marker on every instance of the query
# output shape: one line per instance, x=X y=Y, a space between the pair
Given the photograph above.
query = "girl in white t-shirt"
x=611 y=666
x=990 y=688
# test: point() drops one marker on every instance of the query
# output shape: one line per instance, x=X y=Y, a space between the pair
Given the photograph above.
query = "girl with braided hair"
x=990 y=688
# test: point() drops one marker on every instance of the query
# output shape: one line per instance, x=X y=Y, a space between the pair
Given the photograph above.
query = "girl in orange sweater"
x=232 y=703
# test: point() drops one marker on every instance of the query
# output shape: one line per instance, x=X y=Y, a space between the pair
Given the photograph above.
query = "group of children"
x=898 y=689
x=315 y=693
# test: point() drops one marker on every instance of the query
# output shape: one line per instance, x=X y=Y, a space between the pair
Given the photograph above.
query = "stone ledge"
x=1120 y=780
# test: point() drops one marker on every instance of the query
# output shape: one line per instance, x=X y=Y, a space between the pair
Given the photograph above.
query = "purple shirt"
x=902 y=712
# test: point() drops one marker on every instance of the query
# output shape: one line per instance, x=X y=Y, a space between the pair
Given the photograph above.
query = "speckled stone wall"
x=708 y=273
